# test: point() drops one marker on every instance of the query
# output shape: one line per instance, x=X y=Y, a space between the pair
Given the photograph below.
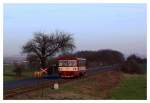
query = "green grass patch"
x=8 y=69
x=144 y=67
x=9 y=78
x=132 y=87
x=9 y=75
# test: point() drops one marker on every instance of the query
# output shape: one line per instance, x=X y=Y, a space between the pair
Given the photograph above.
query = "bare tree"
x=47 y=45
x=33 y=61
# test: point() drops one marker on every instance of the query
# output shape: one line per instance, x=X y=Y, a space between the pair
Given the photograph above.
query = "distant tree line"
x=101 y=57
x=137 y=59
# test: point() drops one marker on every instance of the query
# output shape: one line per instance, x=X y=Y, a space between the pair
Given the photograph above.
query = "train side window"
x=82 y=63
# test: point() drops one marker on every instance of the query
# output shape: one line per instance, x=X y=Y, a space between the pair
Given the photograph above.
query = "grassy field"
x=93 y=87
x=9 y=75
x=131 y=87
x=106 y=85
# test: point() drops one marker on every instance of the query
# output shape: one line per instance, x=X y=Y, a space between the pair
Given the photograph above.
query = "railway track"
x=40 y=84
x=102 y=69
x=19 y=90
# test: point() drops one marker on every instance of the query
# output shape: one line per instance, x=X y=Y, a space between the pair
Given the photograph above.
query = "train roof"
x=69 y=58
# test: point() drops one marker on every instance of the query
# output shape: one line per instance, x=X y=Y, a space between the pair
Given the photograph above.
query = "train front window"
x=67 y=63
x=82 y=62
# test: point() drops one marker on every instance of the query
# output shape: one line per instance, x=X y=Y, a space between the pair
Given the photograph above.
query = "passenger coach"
x=69 y=66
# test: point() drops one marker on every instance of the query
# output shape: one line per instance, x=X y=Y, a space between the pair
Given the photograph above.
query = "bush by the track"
x=132 y=67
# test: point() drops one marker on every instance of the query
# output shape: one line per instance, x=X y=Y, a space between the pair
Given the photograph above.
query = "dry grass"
x=93 y=87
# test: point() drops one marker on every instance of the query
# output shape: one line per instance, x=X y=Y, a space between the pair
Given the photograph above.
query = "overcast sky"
x=120 y=27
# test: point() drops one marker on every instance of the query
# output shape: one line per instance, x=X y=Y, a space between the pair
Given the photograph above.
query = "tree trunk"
x=43 y=62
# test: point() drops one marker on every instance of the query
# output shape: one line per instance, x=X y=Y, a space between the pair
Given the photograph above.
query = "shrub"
x=132 y=67
x=18 y=68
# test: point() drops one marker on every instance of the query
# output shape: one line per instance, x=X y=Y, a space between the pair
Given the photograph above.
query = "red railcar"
x=69 y=66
